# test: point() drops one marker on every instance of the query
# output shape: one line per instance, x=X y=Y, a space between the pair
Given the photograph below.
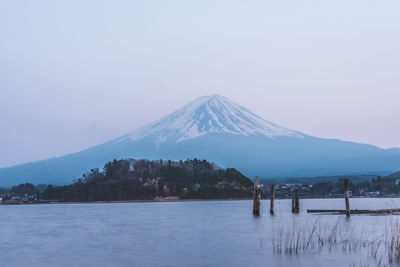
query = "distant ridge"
x=395 y=175
x=219 y=130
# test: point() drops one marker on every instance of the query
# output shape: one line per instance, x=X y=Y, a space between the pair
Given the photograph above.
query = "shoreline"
x=123 y=201
x=157 y=200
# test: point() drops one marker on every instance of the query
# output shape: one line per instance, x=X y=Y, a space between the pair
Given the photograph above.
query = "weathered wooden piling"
x=256 y=198
x=271 y=208
x=346 y=196
x=255 y=184
x=296 y=202
x=257 y=202
x=293 y=204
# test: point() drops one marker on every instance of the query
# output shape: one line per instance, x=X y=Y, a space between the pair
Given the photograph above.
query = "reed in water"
x=382 y=248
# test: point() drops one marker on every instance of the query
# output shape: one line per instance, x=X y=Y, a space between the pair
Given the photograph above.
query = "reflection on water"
x=209 y=233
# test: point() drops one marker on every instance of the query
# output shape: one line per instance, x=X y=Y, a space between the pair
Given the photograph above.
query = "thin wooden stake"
x=271 y=208
x=346 y=196
x=256 y=198
x=293 y=204
x=296 y=202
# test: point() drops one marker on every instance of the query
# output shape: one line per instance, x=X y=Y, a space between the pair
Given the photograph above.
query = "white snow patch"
x=210 y=114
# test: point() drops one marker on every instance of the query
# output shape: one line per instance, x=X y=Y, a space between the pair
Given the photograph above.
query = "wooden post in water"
x=256 y=198
x=293 y=204
x=271 y=208
x=296 y=202
x=346 y=196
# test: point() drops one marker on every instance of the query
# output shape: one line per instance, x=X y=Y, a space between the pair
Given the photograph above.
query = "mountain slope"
x=209 y=114
x=221 y=131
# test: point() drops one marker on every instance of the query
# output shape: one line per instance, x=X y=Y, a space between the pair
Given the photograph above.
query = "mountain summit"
x=209 y=114
x=219 y=130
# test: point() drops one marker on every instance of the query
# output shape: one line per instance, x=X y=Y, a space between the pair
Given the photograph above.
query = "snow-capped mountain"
x=209 y=114
x=221 y=131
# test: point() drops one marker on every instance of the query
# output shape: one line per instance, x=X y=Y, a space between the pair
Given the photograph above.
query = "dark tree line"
x=142 y=179
x=386 y=185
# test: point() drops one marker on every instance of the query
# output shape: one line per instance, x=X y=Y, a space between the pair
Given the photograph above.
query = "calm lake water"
x=209 y=233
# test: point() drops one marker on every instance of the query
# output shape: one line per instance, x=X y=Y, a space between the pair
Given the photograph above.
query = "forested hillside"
x=131 y=179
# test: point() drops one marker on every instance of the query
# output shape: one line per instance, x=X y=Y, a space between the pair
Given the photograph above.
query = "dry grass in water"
x=383 y=248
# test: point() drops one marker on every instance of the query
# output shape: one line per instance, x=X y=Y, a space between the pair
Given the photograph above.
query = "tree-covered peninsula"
x=131 y=179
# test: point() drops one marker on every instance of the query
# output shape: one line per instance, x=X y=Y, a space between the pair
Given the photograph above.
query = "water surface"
x=207 y=233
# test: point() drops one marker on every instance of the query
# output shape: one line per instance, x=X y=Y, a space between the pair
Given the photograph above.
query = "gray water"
x=208 y=233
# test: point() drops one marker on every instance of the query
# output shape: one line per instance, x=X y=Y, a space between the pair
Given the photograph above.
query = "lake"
x=203 y=233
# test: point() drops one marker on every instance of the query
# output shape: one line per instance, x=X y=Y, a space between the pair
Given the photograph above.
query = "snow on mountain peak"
x=209 y=114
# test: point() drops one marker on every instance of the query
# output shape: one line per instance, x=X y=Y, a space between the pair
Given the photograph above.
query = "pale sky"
x=74 y=74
